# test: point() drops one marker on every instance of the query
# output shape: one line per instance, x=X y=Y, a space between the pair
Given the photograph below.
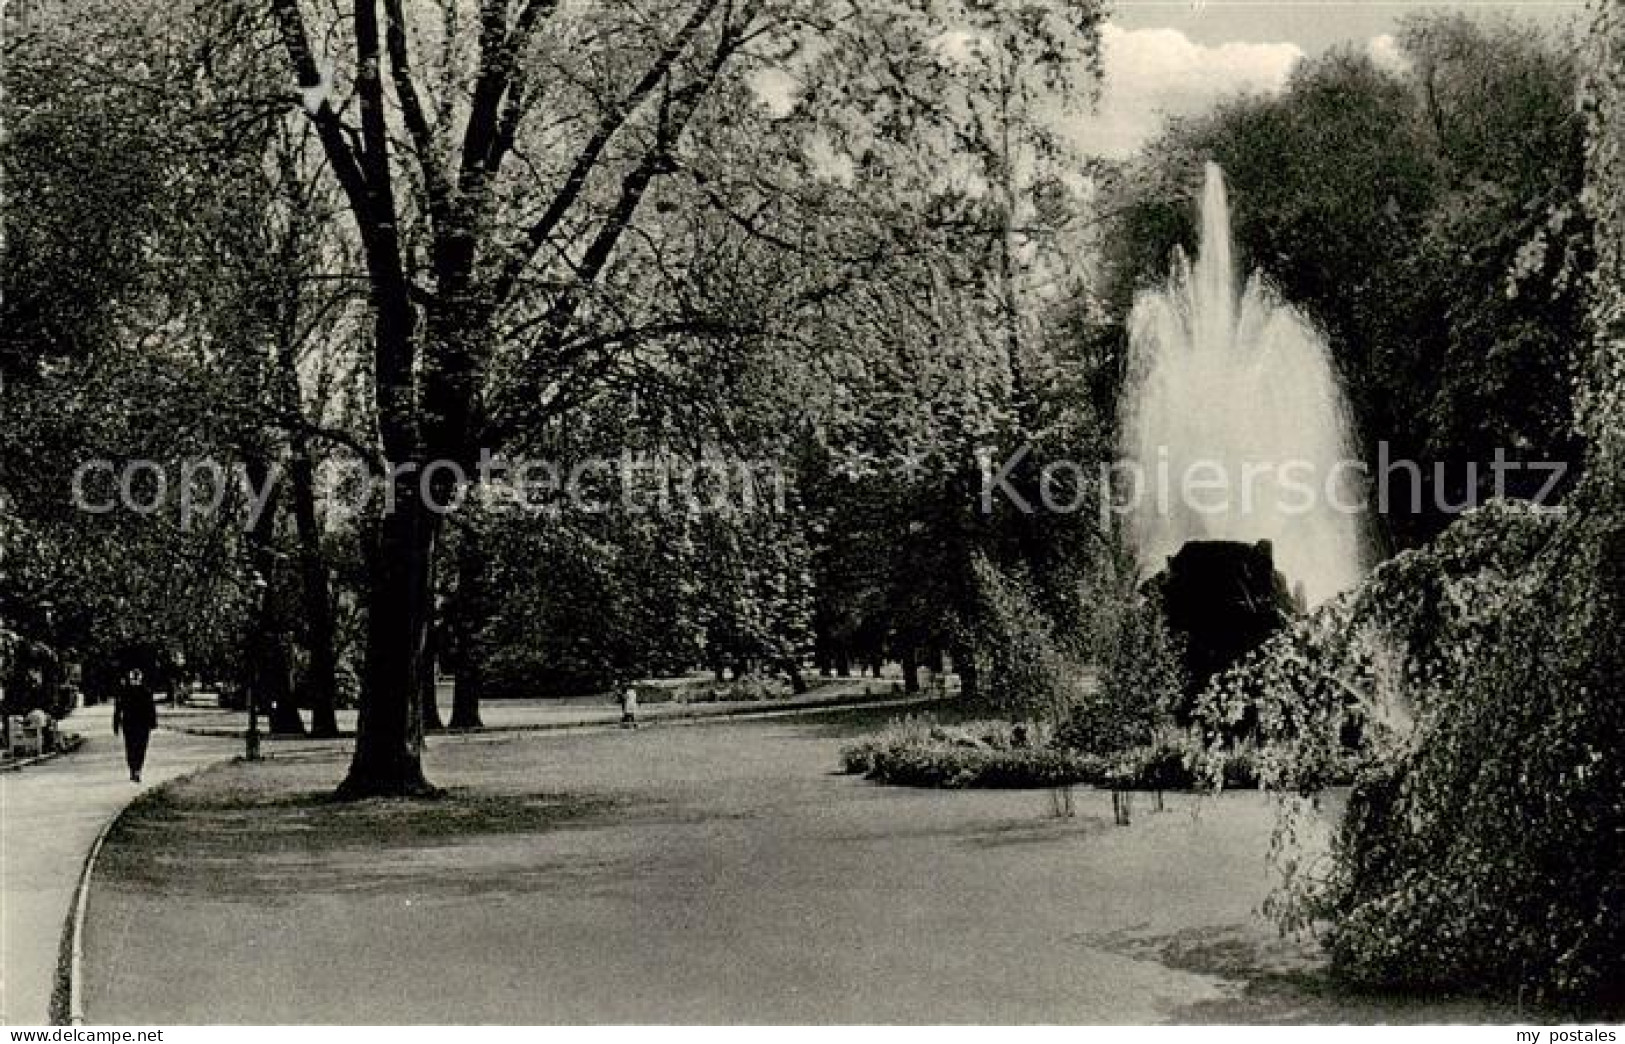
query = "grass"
x=252 y=825
x=694 y=875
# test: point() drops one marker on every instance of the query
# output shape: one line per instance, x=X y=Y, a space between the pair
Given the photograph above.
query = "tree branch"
x=369 y=455
x=533 y=13
x=319 y=107
x=542 y=230
x=676 y=110
x=395 y=322
x=412 y=113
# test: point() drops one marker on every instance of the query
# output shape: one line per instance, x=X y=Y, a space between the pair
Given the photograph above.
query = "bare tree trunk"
x=969 y=676
x=468 y=688
x=388 y=760
x=470 y=611
x=276 y=680
x=269 y=675
x=321 y=677
x=427 y=693
x=911 y=669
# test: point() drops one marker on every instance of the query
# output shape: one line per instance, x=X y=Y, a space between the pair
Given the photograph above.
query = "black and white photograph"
x=812 y=513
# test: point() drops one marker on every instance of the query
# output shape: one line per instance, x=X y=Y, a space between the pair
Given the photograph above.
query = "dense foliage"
x=1482 y=838
x=1141 y=676
x=734 y=235
x=917 y=752
x=1476 y=678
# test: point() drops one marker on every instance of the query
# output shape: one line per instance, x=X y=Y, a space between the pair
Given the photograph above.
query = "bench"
x=29 y=741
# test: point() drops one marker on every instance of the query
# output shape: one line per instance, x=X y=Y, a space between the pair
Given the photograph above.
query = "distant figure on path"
x=629 y=707
x=134 y=711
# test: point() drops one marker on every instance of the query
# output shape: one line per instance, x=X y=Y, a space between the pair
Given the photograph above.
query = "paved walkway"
x=50 y=815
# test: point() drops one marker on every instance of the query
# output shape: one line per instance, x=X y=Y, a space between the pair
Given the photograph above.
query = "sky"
x=1177 y=56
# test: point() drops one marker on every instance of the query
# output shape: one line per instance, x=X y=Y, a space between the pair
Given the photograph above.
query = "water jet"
x=1234 y=415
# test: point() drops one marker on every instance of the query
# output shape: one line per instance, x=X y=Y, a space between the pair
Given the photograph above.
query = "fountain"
x=1239 y=385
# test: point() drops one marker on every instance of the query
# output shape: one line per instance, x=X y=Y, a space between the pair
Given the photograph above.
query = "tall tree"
x=515 y=257
x=432 y=343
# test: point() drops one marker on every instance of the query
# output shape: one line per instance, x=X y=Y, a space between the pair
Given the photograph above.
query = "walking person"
x=133 y=710
x=629 y=707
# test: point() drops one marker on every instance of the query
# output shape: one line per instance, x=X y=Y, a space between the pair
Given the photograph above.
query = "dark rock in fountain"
x=1222 y=600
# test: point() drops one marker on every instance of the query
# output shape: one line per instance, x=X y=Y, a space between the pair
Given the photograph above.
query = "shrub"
x=1161 y=764
x=966 y=767
x=1239 y=767
x=1141 y=679
x=1178 y=759
x=922 y=752
x=919 y=752
x=1031 y=672
x=1485 y=831
x=858 y=759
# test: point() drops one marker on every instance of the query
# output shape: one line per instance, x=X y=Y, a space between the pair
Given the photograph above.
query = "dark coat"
x=134 y=710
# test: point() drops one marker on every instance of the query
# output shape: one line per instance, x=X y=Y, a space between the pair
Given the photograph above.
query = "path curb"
x=75 y=1015
x=69 y=990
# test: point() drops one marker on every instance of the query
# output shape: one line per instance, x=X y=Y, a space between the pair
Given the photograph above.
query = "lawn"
x=718 y=873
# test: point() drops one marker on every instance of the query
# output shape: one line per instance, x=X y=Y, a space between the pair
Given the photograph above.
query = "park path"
x=50 y=814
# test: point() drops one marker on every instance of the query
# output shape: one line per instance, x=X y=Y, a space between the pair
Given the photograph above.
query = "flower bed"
x=918 y=752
